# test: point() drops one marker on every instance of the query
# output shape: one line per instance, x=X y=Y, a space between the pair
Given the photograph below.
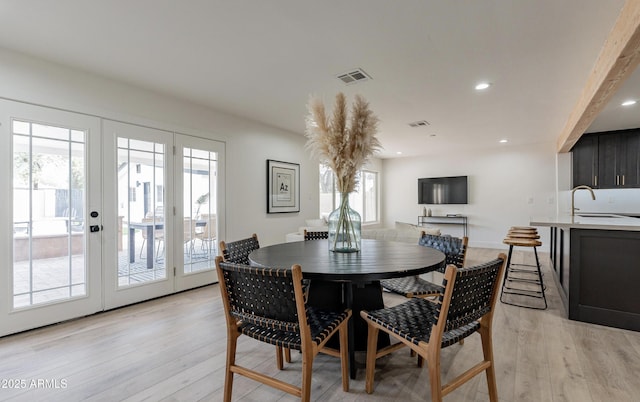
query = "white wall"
x=507 y=186
x=248 y=144
x=502 y=180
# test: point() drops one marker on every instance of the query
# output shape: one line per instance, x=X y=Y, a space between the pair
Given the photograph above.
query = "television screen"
x=442 y=190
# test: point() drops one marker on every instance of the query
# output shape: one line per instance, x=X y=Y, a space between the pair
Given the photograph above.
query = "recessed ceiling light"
x=504 y=140
x=482 y=85
x=399 y=153
x=629 y=102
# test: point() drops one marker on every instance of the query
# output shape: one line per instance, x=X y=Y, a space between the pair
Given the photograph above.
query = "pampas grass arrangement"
x=345 y=148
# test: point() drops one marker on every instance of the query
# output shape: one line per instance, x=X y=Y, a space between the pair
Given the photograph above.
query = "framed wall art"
x=283 y=187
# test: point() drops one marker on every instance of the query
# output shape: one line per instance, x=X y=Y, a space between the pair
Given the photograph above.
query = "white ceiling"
x=263 y=59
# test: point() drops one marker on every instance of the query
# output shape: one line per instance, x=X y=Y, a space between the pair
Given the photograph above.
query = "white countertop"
x=601 y=221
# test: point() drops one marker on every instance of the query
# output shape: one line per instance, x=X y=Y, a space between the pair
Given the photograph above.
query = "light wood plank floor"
x=173 y=349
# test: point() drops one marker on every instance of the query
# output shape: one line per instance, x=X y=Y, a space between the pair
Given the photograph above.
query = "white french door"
x=199 y=172
x=99 y=214
x=138 y=263
x=162 y=192
x=51 y=220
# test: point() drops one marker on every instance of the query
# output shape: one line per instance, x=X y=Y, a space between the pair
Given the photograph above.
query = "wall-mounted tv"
x=442 y=190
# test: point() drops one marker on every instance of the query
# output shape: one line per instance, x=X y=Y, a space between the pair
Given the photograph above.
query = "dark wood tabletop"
x=378 y=259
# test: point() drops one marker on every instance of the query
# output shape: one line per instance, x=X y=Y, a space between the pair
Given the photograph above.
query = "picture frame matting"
x=283 y=187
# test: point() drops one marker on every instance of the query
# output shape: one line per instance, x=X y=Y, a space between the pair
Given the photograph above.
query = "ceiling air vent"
x=357 y=75
x=420 y=123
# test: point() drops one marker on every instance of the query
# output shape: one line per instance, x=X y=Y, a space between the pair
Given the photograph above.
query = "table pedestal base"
x=340 y=295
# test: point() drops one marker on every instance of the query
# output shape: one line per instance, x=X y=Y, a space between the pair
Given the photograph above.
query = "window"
x=364 y=199
x=369 y=186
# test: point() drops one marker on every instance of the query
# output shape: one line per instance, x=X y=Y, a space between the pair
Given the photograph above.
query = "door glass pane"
x=48 y=213
x=141 y=218
x=200 y=210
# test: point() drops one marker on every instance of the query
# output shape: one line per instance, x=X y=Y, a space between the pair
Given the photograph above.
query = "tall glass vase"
x=344 y=228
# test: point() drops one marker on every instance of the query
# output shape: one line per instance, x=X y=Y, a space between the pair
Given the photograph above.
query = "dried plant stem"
x=345 y=145
x=345 y=148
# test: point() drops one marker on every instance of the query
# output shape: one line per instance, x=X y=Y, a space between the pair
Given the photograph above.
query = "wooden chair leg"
x=279 y=363
x=287 y=355
x=487 y=351
x=344 y=356
x=420 y=359
x=307 y=367
x=232 y=341
x=434 y=373
x=372 y=346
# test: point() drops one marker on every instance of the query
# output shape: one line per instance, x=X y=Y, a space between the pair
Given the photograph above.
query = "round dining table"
x=350 y=280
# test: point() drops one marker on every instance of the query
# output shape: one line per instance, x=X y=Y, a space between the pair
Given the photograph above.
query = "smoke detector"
x=354 y=76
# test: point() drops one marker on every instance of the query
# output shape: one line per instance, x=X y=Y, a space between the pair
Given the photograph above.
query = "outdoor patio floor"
x=50 y=279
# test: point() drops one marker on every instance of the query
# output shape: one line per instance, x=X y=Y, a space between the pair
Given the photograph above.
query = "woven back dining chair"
x=316 y=235
x=238 y=251
x=455 y=251
x=465 y=307
x=267 y=304
x=312 y=235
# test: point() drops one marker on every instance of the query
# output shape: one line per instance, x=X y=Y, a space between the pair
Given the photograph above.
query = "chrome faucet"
x=573 y=192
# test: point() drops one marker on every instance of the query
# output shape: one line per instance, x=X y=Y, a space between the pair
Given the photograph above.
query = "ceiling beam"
x=618 y=58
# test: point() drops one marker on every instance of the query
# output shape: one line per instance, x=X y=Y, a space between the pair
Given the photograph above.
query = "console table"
x=445 y=220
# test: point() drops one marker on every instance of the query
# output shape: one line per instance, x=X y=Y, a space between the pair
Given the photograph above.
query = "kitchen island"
x=595 y=260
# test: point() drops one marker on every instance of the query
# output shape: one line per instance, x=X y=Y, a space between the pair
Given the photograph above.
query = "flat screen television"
x=442 y=190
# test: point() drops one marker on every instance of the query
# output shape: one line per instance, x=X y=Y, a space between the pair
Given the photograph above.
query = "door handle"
x=95 y=228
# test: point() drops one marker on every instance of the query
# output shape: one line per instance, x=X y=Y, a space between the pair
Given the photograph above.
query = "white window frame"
x=376 y=197
x=360 y=207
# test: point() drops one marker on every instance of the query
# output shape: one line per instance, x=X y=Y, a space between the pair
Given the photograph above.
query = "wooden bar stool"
x=522 y=235
x=518 y=278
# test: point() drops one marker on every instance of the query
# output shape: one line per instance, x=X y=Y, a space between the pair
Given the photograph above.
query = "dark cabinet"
x=559 y=250
x=632 y=171
x=608 y=160
x=604 y=277
x=585 y=161
x=595 y=272
x=618 y=155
